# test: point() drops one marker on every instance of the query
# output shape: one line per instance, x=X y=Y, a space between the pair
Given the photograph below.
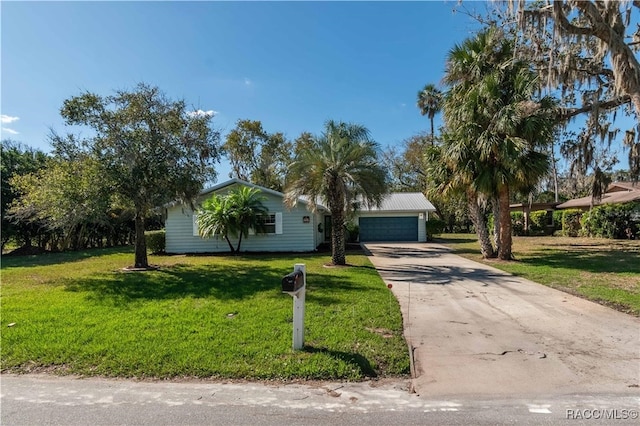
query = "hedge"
x=435 y=226
x=612 y=221
x=155 y=241
x=571 y=222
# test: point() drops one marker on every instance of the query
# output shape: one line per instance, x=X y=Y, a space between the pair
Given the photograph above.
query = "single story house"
x=617 y=192
x=401 y=217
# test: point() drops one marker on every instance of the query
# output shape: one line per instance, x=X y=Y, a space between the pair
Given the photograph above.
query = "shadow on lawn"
x=46 y=259
x=591 y=261
x=350 y=358
x=222 y=283
x=178 y=281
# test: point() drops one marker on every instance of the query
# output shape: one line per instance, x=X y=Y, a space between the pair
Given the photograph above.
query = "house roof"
x=617 y=192
x=234 y=181
x=393 y=202
x=404 y=201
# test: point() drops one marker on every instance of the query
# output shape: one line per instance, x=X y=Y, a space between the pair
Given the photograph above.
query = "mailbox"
x=293 y=281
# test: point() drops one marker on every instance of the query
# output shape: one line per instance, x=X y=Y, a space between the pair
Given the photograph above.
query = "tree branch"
x=568 y=113
x=564 y=23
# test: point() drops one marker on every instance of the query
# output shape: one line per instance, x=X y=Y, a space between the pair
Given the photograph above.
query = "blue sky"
x=291 y=65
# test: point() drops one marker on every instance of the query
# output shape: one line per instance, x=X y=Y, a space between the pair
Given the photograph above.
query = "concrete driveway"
x=475 y=330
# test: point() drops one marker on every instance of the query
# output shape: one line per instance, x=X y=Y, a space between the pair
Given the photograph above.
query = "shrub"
x=611 y=221
x=517 y=223
x=571 y=222
x=557 y=220
x=155 y=241
x=538 y=221
x=435 y=226
x=353 y=231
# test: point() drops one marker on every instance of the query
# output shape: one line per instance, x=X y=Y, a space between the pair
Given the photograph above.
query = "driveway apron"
x=475 y=330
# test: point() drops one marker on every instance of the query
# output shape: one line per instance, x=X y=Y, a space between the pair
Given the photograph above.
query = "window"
x=267 y=224
x=270 y=224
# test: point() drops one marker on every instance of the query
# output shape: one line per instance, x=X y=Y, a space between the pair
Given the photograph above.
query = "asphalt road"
x=68 y=401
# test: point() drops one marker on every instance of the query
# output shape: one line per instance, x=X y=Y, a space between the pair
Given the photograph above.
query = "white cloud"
x=201 y=113
x=10 y=131
x=6 y=119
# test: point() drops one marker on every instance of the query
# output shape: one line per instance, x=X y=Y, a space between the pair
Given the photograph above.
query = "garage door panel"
x=388 y=229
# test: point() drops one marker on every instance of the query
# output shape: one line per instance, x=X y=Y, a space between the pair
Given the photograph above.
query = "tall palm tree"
x=496 y=125
x=215 y=218
x=338 y=168
x=430 y=103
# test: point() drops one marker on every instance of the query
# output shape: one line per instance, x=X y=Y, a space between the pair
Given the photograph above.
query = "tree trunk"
x=554 y=171
x=141 y=244
x=505 y=223
x=480 y=223
x=226 y=237
x=338 y=255
x=496 y=224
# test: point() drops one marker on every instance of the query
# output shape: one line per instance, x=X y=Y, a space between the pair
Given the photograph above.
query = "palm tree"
x=430 y=103
x=247 y=210
x=233 y=214
x=339 y=168
x=496 y=126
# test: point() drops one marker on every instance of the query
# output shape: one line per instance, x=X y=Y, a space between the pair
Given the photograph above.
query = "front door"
x=327 y=229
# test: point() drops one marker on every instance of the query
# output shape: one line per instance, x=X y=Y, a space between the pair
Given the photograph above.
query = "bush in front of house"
x=557 y=221
x=435 y=226
x=155 y=241
x=352 y=232
x=612 y=221
x=517 y=223
x=571 y=222
x=538 y=222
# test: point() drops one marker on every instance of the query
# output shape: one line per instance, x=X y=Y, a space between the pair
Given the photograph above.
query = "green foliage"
x=517 y=223
x=612 y=221
x=233 y=214
x=557 y=220
x=435 y=226
x=258 y=156
x=197 y=316
x=156 y=240
x=497 y=126
x=353 y=232
x=17 y=160
x=151 y=148
x=538 y=221
x=571 y=222
x=340 y=169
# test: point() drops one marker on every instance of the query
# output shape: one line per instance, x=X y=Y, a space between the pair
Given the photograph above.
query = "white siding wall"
x=296 y=235
x=422 y=223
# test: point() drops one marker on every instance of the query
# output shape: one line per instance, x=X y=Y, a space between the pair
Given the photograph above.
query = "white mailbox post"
x=295 y=285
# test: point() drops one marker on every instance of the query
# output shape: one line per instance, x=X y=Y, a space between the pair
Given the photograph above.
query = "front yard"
x=197 y=316
x=602 y=270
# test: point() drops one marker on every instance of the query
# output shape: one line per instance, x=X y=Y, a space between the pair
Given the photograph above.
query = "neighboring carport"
x=402 y=216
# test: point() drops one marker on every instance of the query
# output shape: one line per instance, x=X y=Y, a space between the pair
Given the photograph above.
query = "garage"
x=388 y=228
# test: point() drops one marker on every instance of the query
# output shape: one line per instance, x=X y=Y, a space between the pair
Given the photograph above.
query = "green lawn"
x=197 y=316
x=602 y=270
